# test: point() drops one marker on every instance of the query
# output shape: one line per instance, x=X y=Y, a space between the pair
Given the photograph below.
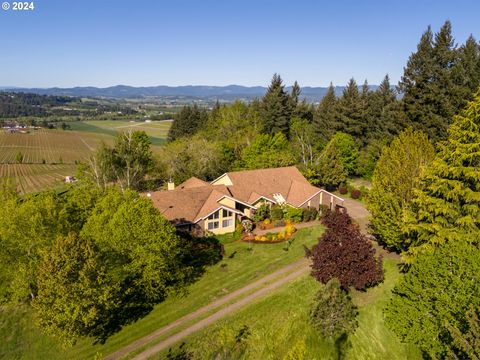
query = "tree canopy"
x=433 y=298
x=394 y=181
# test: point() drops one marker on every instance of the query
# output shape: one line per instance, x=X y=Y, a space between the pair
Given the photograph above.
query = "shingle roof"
x=249 y=185
x=192 y=183
x=195 y=199
x=190 y=204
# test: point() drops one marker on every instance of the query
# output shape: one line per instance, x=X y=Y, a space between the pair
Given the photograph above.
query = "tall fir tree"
x=187 y=122
x=434 y=83
x=276 y=108
x=350 y=112
x=447 y=203
x=325 y=117
x=386 y=117
x=469 y=58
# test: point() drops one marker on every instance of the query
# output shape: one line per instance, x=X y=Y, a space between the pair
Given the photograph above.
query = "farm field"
x=156 y=130
x=50 y=155
x=36 y=177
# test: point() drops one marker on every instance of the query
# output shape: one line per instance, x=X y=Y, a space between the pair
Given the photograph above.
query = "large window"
x=213 y=225
x=227 y=213
x=215 y=215
x=227 y=223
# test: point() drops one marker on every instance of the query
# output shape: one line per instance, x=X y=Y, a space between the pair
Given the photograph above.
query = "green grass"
x=243 y=266
x=157 y=131
x=279 y=322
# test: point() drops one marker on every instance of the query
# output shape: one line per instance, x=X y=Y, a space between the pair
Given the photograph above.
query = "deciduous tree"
x=343 y=252
x=393 y=184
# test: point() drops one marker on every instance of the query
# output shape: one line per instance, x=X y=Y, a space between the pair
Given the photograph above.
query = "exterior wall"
x=224 y=180
x=221 y=229
x=228 y=202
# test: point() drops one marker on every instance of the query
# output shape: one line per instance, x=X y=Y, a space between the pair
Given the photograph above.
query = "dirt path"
x=220 y=314
x=301 y=264
x=264 y=286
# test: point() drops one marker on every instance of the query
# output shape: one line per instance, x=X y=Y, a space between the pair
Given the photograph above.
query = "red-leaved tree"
x=343 y=252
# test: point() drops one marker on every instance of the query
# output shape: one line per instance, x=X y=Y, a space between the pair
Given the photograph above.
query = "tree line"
x=280 y=129
x=426 y=205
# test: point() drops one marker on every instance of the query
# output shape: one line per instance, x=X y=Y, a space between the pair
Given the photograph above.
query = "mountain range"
x=199 y=92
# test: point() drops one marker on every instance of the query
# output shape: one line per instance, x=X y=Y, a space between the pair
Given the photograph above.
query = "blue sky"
x=218 y=42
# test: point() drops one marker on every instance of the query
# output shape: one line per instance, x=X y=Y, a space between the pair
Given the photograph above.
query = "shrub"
x=261 y=213
x=343 y=190
x=333 y=313
x=239 y=228
x=290 y=229
x=310 y=214
x=355 y=194
x=267 y=221
x=293 y=214
x=276 y=213
x=279 y=223
x=343 y=252
x=247 y=225
x=323 y=209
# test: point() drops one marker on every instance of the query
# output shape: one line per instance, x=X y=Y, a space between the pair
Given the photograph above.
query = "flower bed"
x=271 y=238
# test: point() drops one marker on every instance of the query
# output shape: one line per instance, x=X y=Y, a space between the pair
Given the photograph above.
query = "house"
x=199 y=206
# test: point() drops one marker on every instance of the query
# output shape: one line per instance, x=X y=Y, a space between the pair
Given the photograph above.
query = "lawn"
x=279 y=322
x=241 y=266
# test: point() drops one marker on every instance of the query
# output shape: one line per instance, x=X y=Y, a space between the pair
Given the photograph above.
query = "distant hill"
x=200 y=92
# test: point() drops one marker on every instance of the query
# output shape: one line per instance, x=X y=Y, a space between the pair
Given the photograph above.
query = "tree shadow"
x=342 y=345
x=198 y=253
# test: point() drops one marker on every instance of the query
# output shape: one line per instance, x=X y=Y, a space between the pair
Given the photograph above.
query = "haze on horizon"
x=217 y=43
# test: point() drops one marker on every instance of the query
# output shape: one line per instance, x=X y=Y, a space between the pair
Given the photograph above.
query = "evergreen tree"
x=276 y=108
x=329 y=170
x=187 y=122
x=469 y=58
x=333 y=312
x=394 y=181
x=350 y=112
x=386 y=119
x=432 y=298
x=435 y=81
x=295 y=95
x=325 y=117
x=447 y=204
x=466 y=337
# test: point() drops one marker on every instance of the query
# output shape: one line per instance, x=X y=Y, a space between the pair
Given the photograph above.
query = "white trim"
x=324 y=191
x=236 y=200
x=218 y=178
x=220 y=207
x=263 y=197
